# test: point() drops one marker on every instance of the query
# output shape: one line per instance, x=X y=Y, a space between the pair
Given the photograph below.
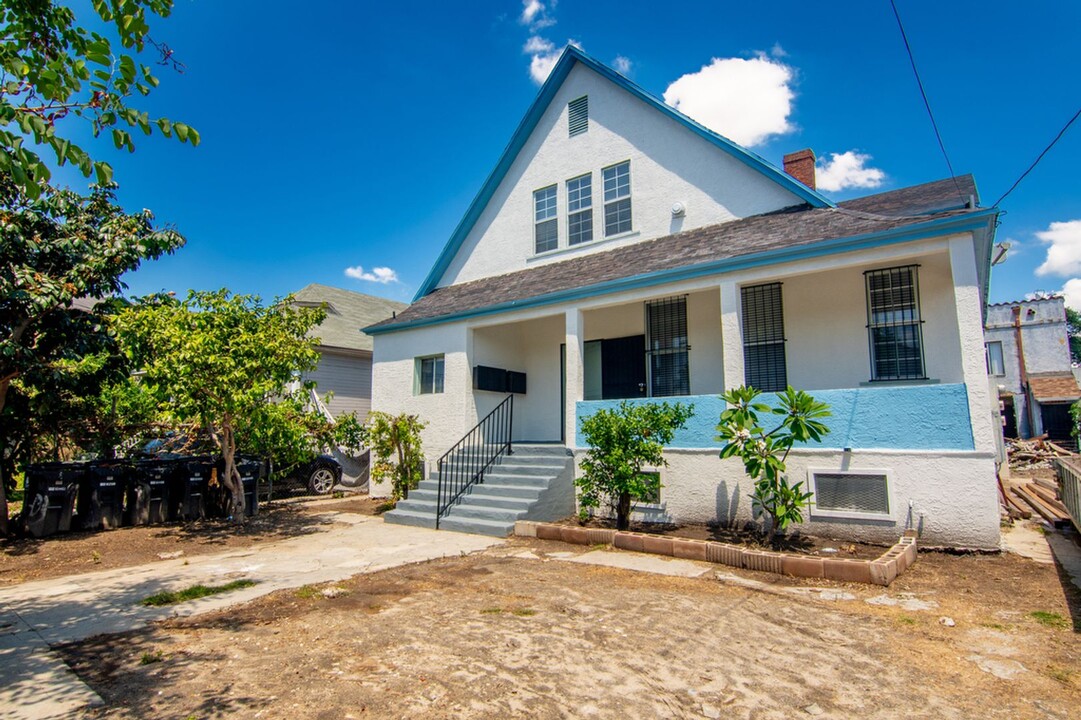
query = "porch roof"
x=1060 y=387
x=906 y=214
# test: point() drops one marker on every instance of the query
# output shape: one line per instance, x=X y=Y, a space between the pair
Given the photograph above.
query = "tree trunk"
x=404 y=478
x=623 y=511
x=231 y=476
x=4 y=384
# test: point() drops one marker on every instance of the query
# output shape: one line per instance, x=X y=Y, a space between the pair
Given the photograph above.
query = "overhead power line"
x=926 y=102
x=1040 y=156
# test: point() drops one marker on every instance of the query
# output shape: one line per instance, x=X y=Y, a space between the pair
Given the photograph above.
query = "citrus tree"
x=623 y=441
x=395 y=443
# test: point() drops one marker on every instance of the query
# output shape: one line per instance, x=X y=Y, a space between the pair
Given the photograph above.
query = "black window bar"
x=764 y=366
x=464 y=465
x=894 y=324
x=667 y=352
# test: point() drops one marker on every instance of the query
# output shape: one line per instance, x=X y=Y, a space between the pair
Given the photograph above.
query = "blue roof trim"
x=559 y=73
x=962 y=223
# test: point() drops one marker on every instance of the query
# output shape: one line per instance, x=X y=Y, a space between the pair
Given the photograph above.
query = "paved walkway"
x=36 y=684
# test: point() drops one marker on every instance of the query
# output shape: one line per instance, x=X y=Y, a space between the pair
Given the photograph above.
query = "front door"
x=623 y=367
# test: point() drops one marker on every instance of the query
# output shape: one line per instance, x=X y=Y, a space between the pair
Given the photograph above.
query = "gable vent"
x=578 y=115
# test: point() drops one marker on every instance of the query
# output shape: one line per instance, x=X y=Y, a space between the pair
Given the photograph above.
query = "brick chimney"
x=801 y=165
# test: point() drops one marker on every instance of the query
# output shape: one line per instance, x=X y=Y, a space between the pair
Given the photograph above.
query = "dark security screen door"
x=623 y=367
x=1057 y=422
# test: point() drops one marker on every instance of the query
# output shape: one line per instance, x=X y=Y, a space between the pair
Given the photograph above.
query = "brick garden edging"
x=881 y=571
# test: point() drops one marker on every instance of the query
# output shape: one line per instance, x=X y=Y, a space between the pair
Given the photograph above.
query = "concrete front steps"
x=535 y=483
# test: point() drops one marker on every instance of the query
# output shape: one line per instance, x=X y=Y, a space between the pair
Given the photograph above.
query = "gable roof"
x=790 y=234
x=347 y=313
x=567 y=60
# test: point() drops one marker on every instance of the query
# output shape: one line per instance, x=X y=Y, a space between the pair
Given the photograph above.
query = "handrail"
x=1069 y=486
x=464 y=465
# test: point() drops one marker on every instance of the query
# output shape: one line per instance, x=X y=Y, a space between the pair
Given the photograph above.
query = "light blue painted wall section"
x=922 y=417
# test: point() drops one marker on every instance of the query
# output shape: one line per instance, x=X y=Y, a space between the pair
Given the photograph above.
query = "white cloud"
x=1064 y=253
x=847 y=170
x=1072 y=292
x=746 y=100
x=545 y=55
x=382 y=275
x=622 y=64
x=535 y=15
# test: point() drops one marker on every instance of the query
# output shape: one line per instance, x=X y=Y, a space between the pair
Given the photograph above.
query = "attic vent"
x=851 y=493
x=578 y=115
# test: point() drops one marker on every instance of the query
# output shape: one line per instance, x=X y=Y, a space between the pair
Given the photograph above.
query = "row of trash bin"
x=106 y=494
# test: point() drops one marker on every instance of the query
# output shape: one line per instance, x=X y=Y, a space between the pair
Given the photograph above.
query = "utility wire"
x=926 y=102
x=1040 y=156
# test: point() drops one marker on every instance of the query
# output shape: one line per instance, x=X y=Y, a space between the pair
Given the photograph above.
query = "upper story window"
x=578 y=115
x=617 y=199
x=546 y=226
x=763 y=338
x=995 y=363
x=580 y=209
x=894 y=324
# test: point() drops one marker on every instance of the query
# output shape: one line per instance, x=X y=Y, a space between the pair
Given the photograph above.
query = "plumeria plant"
x=764 y=453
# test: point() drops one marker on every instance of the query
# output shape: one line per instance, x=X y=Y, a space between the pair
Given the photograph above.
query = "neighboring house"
x=621 y=250
x=345 y=363
x=1028 y=359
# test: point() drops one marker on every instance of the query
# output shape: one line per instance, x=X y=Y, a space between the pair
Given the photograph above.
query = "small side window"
x=995 y=363
x=546 y=226
x=428 y=375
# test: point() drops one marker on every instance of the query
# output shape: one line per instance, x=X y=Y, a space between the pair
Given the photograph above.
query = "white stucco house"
x=621 y=250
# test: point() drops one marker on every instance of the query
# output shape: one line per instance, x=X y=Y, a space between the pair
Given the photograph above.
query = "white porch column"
x=575 y=377
x=966 y=293
x=731 y=335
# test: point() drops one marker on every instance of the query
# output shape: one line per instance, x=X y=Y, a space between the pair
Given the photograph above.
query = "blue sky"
x=359 y=135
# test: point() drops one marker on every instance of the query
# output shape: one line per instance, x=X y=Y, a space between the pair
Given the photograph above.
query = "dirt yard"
x=519 y=632
x=71 y=553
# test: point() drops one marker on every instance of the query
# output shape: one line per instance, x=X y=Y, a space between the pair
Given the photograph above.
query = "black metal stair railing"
x=464 y=465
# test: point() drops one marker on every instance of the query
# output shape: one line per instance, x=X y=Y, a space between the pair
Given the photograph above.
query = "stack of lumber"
x=1042 y=497
x=1035 y=453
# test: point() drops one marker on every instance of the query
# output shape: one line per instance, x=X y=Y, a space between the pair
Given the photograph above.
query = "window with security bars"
x=851 y=493
x=546 y=226
x=617 y=199
x=894 y=326
x=764 y=365
x=578 y=115
x=667 y=349
x=580 y=209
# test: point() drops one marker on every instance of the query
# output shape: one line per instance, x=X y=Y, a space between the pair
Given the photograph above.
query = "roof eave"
x=973 y=222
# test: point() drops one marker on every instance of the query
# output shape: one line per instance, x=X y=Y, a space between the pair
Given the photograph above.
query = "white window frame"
x=1001 y=359
x=575 y=208
x=816 y=511
x=617 y=197
x=439 y=379
x=548 y=216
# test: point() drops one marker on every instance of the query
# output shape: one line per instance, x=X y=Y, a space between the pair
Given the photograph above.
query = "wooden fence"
x=1068 y=471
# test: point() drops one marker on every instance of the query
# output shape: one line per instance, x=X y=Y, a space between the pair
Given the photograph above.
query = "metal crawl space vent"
x=578 y=115
x=849 y=492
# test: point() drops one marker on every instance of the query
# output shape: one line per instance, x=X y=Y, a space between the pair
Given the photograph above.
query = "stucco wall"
x=1043 y=334
x=948 y=497
x=668 y=164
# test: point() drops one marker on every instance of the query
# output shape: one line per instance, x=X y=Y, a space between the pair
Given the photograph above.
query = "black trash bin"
x=191 y=488
x=149 y=492
x=49 y=499
x=101 y=494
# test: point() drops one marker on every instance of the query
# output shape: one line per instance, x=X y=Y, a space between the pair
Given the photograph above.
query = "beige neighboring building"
x=346 y=364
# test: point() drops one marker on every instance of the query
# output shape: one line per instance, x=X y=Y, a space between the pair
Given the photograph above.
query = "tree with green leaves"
x=764 y=453
x=54 y=70
x=395 y=443
x=1073 y=333
x=54 y=249
x=222 y=361
x=623 y=441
